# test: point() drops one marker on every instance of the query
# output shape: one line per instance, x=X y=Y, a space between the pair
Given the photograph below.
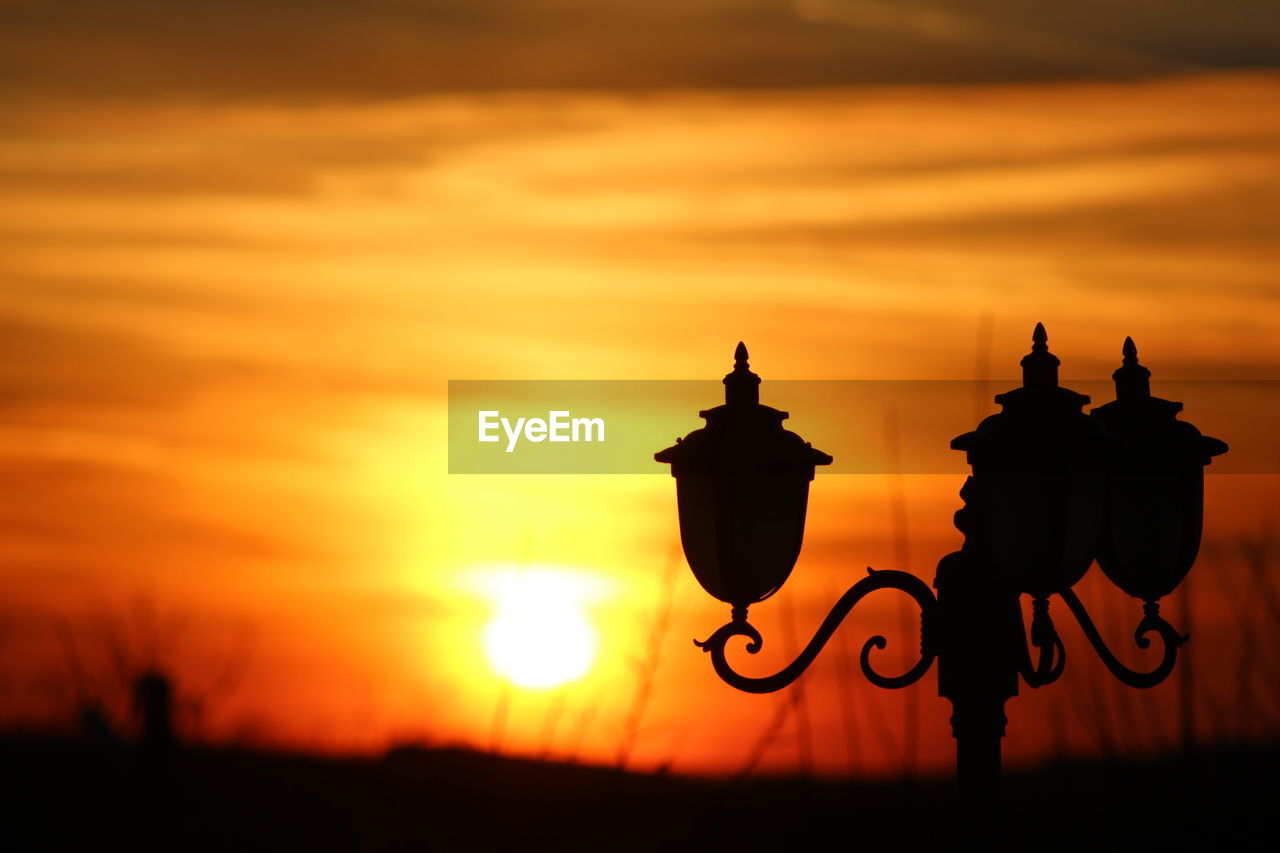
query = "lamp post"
x=1052 y=490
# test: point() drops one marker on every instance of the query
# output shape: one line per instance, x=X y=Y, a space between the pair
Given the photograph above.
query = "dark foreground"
x=62 y=794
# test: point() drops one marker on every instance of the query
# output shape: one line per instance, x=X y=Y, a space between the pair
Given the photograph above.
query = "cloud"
x=939 y=24
x=293 y=49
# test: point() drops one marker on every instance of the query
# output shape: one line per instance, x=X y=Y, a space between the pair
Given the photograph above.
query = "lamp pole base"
x=978 y=728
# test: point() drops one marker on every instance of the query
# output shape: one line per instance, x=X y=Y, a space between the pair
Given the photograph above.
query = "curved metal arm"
x=889 y=579
x=1044 y=636
x=1151 y=621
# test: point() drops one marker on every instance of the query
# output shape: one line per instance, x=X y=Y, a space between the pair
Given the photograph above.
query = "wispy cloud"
x=943 y=24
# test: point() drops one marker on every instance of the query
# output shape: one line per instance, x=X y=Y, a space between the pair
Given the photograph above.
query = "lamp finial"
x=741 y=386
x=1040 y=367
x=1133 y=381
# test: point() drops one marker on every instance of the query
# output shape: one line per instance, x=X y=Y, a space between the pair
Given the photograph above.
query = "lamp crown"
x=1040 y=367
x=1133 y=381
x=741 y=386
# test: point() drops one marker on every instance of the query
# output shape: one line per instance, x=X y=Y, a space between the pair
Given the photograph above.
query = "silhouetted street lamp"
x=1052 y=490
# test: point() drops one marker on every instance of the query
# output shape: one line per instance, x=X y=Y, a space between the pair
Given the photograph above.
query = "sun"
x=540 y=635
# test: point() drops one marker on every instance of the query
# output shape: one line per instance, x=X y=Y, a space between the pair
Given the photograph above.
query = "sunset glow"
x=540 y=635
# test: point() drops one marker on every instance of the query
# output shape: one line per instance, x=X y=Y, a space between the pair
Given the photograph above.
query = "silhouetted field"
x=68 y=794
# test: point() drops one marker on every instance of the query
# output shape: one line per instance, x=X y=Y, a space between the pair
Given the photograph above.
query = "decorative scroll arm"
x=888 y=579
x=1151 y=621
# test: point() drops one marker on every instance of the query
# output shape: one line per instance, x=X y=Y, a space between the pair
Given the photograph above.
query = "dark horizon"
x=62 y=792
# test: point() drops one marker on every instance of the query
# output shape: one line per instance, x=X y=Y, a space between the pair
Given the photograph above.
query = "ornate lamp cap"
x=741 y=386
x=742 y=436
x=1040 y=367
x=1151 y=423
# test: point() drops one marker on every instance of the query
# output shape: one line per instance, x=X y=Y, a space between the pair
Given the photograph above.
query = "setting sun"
x=540 y=635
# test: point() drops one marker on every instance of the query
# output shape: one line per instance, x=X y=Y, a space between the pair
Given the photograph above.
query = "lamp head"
x=1155 y=486
x=1033 y=504
x=742 y=490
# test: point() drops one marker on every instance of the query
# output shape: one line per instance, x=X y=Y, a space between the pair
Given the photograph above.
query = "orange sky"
x=226 y=329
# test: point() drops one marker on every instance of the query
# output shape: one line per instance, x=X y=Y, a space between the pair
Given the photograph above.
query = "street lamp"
x=742 y=486
x=1052 y=490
